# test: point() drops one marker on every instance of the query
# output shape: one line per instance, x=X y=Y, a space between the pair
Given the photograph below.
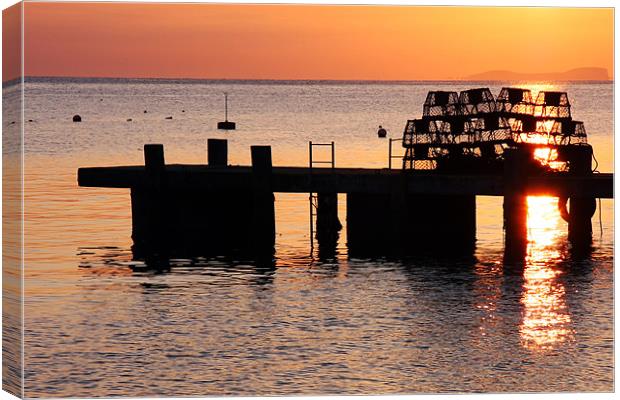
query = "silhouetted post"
x=263 y=229
x=327 y=223
x=515 y=204
x=581 y=208
x=217 y=152
x=155 y=204
x=368 y=223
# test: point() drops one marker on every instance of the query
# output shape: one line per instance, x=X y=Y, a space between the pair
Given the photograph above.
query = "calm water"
x=342 y=325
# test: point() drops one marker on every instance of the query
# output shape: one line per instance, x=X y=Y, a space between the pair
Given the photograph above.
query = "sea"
x=214 y=326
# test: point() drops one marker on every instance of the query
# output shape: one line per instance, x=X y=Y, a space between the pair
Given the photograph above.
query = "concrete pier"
x=215 y=209
x=405 y=224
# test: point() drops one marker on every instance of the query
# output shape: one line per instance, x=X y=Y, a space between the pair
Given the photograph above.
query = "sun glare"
x=546 y=320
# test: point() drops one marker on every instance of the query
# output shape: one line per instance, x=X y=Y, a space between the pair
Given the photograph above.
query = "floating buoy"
x=145 y=111
x=129 y=119
x=182 y=110
x=30 y=120
x=168 y=117
x=226 y=125
x=77 y=118
x=381 y=132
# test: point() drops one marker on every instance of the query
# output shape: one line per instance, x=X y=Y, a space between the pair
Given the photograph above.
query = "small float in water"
x=226 y=125
x=381 y=132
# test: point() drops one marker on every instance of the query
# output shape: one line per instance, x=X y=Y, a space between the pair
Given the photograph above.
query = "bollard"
x=154 y=158
x=217 y=152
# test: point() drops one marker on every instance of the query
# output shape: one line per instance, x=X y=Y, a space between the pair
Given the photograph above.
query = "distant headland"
x=577 y=74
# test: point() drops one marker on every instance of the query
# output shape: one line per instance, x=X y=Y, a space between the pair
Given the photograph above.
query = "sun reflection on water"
x=546 y=320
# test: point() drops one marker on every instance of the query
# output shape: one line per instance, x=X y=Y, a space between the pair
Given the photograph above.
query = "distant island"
x=577 y=74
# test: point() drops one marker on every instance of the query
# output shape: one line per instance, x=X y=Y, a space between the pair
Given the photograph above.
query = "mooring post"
x=153 y=200
x=263 y=229
x=515 y=204
x=581 y=208
x=217 y=152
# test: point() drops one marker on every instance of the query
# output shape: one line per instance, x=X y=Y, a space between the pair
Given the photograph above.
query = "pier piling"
x=263 y=228
x=515 y=204
x=583 y=207
x=328 y=225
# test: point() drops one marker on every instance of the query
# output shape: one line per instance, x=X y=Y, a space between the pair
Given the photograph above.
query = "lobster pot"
x=439 y=103
x=496 y=129
x=417 y=131
x=515 y=101
x=568 y=132
x=552 y=105
x=522 y=127
x=477 y=101
x=420 y=151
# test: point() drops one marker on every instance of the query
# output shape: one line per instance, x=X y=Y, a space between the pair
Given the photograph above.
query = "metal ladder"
x=391 y=155
x=313 y=198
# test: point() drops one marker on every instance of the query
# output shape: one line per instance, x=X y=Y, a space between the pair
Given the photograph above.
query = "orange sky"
x=309 y=42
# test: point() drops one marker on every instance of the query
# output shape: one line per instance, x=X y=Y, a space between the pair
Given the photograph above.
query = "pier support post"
x=581 y=208
x=368 y=220
x=263 y=228
x=154 y=199
x=402 y=223
x=440 y=225
x=328 y=225
x=217 y=152
x=515 y=204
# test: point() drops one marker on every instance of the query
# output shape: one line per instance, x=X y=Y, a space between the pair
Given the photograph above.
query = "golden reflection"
x=546 y=320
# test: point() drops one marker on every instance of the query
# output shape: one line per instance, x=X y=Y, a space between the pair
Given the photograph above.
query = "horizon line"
x=26 y=78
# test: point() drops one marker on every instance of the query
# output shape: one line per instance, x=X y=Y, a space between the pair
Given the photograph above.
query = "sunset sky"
x=309 y=42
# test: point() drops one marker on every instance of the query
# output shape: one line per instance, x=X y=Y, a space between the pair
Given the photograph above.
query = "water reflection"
x=546 y=319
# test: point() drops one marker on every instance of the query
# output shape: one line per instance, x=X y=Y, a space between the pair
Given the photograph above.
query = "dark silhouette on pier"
x=464 y=146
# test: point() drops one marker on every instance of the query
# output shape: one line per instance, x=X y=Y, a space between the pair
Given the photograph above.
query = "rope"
x=596 y=161
x=600 y=216
x=600 y=209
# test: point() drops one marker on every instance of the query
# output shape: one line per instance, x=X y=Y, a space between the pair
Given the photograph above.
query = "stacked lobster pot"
x=457 y=131
x=471 y=130
x=550 y=133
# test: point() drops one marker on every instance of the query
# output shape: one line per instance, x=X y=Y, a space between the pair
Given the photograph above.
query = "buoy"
x=168 y=117
x=381 y=132
x=145 y=111
x=77 y=118
x=182 y=110
x=226 y=125
x=129 y=119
